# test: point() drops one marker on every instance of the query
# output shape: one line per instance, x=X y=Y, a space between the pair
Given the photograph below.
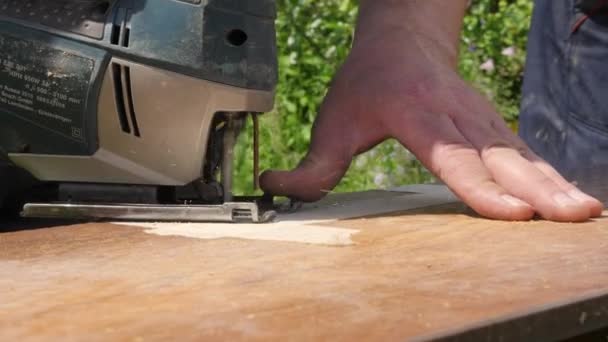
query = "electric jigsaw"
x=130 y=109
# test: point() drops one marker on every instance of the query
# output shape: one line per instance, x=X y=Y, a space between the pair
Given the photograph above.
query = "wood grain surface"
x=411 y=275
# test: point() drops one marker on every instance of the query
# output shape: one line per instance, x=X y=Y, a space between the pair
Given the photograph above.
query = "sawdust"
x=281 y=231
x=311 y=224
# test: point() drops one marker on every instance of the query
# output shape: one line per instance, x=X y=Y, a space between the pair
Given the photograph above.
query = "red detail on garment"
x=595 y=10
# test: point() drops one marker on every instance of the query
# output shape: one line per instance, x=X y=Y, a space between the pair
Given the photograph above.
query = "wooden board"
x=414 y=275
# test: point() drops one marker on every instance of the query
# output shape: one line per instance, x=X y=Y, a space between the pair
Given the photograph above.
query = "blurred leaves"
x=314 y=38
x=495 y=32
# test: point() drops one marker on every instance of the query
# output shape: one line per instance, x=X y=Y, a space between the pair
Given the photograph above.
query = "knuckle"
x=495 y=150
x=452 y=160
x=547 y=183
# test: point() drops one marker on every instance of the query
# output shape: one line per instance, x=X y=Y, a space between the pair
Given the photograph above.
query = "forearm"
x=432 y=26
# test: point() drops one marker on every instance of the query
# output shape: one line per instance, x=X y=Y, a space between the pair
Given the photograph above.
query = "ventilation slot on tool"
x=123 y=95
x=121 y=28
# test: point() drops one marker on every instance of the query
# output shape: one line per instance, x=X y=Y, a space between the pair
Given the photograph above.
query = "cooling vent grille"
x=123 y=96
x=121 y=28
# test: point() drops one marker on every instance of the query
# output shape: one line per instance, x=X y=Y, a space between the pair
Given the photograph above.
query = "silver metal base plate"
x=227 y=212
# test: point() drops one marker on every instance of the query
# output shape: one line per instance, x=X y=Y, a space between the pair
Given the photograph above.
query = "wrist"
x=431 y=27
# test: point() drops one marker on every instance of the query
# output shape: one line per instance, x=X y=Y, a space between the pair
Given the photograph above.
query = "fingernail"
x=516 y=202
x=580 y=196
x=564 y=200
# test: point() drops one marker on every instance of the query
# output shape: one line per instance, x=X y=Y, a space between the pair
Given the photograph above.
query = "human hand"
x=408 y=93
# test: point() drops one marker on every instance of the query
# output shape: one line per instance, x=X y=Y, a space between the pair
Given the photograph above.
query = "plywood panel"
x=405 y=276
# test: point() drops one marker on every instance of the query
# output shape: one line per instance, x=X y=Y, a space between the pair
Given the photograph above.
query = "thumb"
x=316 y=175
x=331 y=152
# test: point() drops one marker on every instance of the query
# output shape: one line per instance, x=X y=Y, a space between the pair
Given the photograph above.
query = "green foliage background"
x=314 y=38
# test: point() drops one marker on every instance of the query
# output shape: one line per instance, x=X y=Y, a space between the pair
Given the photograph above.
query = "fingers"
x=596 y=207
x=436 y=141
x=527 y=182
x=535 y=182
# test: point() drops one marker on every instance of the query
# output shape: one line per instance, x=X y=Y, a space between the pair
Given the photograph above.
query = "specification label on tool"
x=44 y=85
